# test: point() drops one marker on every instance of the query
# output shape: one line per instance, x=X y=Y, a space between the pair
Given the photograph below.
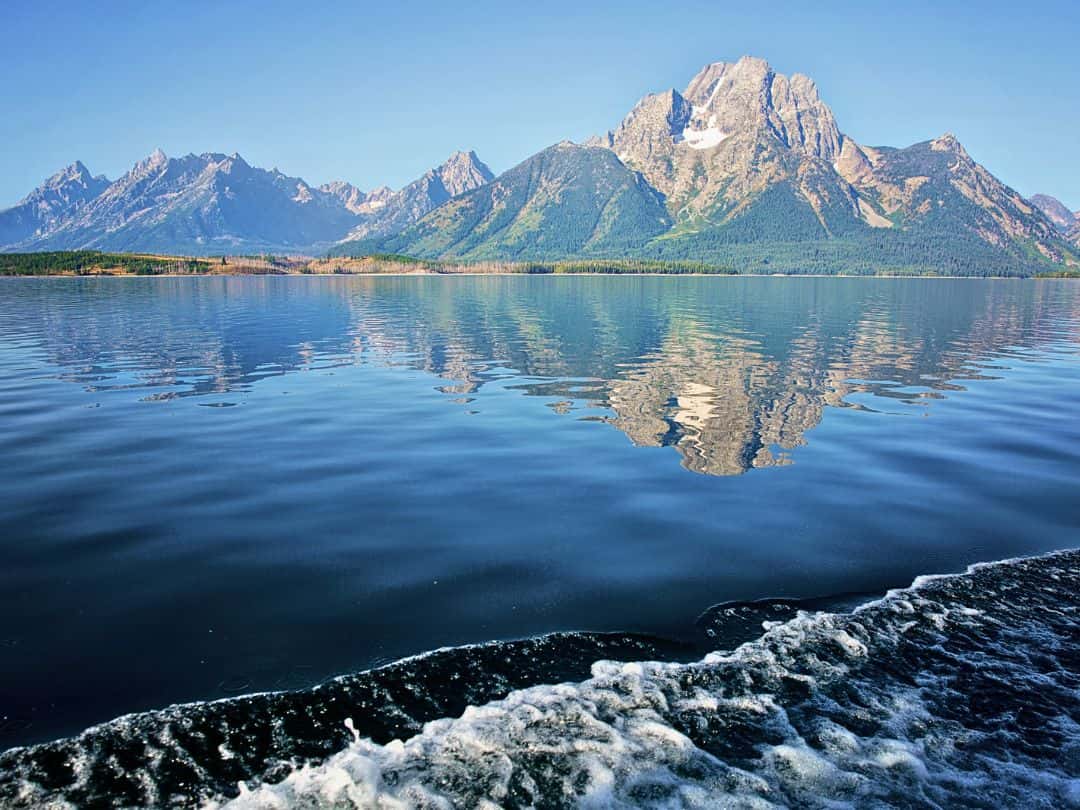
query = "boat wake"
x=960 y=691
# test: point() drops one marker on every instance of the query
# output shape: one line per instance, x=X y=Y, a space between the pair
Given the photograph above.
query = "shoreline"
x=529 y=275
x=88 y=263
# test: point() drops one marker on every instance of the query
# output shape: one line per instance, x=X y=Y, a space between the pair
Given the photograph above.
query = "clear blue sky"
x=376 y=92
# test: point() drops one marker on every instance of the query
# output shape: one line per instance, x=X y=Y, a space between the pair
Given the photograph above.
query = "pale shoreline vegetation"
x=1059 y=274
x=96 y=263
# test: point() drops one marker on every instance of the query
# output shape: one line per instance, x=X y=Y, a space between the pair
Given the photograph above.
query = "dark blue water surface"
x=212 y=486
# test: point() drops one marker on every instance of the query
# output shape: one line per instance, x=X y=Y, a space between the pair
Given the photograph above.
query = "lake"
x=220 y=486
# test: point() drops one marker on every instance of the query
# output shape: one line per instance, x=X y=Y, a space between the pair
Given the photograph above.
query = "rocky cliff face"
x=737 y=130
x=59 y=197
x=748 y=96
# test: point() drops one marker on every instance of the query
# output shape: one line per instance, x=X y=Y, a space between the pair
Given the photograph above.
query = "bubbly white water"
x=959 y=691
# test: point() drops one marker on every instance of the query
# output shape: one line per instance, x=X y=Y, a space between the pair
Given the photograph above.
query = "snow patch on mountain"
x=703 y=138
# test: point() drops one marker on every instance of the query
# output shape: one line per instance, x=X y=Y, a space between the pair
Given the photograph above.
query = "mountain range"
x=214 y=203
x=745 y=167
x=748 y=167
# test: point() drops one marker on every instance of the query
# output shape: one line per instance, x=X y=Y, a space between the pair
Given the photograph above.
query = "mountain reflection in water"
x=731 y=373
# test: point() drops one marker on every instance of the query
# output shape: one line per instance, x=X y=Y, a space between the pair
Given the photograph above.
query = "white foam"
x=823 y=710
x=626 y=736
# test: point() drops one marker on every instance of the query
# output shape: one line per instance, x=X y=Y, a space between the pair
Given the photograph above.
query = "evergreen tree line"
x=90 y=262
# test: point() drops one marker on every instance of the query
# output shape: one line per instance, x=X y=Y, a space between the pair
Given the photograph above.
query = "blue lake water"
x=214 y=486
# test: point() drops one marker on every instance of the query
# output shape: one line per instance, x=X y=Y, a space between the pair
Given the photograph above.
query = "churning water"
x=215 y=487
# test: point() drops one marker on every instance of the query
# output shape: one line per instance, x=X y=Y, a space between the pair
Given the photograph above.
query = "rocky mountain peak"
x=749 y=72
x=461 y=157
x=948 y=143
x=378 y=197
x=742 y=137
x=385 y=211
x=738 y=127
x=1056 y=211
x=62 y=195
x=749 y=96
x=74 y=175
x=349 y=195
x=232 y=165
x=234 y=160
x=150 y=164
x=463 y=171
x=805 y=86
x=76 y=171
x=727 y=106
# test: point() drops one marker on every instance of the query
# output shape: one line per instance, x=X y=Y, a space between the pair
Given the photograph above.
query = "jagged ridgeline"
x=214 y=204
x=750 y=170
x=746 y=168
x=1066 y=221
x=567 y=201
